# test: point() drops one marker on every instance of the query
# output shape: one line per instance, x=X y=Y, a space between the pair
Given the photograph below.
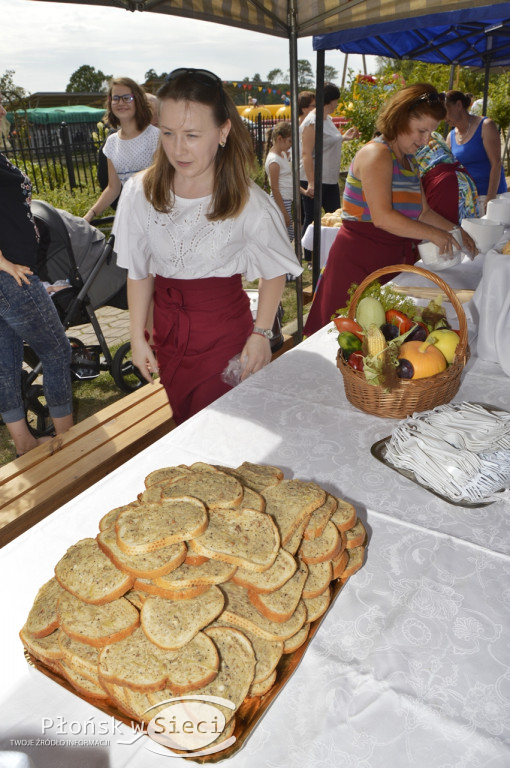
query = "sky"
x=45 y=42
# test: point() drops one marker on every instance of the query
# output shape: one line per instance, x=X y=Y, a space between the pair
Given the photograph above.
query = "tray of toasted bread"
x=210 y=586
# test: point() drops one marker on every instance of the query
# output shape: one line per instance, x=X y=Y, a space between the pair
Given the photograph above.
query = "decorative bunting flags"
x=253 y=86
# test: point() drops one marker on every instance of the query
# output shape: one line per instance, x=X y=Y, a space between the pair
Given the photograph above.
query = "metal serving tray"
x=251 y=711
x=378 y=450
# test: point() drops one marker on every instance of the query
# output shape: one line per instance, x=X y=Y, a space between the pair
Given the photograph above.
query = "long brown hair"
x=231 y=179
x=143 y=114
x=283 y=129
x=412 y=101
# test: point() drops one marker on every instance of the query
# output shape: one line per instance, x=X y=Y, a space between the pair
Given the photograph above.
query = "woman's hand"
x=17 y=271
x=351 y=133
x=144 y=359
x=255 y=355
x=444 y=241
x=310 y=190
x=468 y=244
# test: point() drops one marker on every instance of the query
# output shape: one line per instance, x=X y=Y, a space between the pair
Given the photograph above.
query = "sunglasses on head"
x=203 y=75
x=429 y=98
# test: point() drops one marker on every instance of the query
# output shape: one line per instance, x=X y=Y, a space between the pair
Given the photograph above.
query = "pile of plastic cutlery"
x=459 y=450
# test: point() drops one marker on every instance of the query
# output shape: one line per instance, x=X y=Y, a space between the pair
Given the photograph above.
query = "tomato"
x=356 y=361
x=348 y=343
x=397 y=318
x=346 y=324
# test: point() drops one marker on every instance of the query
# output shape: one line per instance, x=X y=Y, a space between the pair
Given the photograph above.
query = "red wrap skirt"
x=199 y=325
x=358 y=249
x=441 y=187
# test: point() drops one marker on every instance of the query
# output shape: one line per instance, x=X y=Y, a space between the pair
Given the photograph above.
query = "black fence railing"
x=65 y=154
x=53 y=154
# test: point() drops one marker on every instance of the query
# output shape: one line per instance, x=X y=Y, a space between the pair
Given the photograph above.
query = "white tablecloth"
x=328 y=235
x=410 y=666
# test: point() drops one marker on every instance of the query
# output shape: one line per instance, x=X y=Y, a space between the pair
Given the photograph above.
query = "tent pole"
x=319 y=142
x=344 y=73
x=452 y=76
x=293 y=58
x=487 y=73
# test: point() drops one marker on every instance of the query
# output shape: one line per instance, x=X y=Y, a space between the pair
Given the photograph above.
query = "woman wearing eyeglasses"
x=131 y=148
x=385 y=212
x=187 y=230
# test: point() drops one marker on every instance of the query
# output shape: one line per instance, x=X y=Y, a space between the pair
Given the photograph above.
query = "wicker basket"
x=409 y=395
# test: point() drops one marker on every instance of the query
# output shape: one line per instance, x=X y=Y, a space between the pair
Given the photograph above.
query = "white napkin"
x=492 y=303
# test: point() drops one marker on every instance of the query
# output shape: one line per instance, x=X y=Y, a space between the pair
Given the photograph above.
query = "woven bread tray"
x=409 y=395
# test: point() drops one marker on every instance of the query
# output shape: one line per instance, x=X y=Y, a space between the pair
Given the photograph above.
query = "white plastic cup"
x=499 y=210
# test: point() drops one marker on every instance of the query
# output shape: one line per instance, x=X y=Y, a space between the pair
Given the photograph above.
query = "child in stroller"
x=78 y=261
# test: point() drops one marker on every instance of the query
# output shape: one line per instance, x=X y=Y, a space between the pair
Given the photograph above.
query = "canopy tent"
x=45 y=99
x=286 y=17
x=292 y=19
x=472 y=37
x=468 y=37
x=57 y=115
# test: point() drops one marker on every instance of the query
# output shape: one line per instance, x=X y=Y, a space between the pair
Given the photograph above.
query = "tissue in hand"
x=431 y=257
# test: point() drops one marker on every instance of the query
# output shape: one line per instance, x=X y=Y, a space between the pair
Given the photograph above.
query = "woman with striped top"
x=385 y=212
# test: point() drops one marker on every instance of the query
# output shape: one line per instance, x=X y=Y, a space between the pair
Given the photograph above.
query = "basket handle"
x=445 y=288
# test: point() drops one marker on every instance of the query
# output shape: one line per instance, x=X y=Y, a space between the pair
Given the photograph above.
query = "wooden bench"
x=36 y=484
x=288 y=343
x=307 y=295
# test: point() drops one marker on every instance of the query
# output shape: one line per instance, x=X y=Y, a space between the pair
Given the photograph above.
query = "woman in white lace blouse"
x=187 y=230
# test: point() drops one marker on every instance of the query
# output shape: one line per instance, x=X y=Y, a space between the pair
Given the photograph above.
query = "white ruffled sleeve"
x=130 y=230
x=267 y=250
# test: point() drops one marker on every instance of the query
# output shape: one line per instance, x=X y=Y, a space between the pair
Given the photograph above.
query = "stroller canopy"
x=74 y=243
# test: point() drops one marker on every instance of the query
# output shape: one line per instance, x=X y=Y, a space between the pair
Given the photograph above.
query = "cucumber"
x=348 y=343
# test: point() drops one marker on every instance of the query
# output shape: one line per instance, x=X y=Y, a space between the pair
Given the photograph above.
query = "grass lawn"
x=88 y=398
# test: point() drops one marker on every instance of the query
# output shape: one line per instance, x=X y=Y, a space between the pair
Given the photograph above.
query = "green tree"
x=360 y=104
x=330 y=74
x=466 y=79
x=415 y=72
x=12 y=93
x=151 y=75
x=499 y=104
x=305 y=77
x=275 y=76
x=87 y=79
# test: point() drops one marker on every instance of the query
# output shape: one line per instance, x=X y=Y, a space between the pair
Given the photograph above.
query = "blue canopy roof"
x=473 y=37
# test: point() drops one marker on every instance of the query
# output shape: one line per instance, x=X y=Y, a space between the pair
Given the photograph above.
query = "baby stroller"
x=77 y=259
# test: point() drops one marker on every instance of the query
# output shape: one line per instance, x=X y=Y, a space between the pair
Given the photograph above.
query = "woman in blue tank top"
x=476 y=143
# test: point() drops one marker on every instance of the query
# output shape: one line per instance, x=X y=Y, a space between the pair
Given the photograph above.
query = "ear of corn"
x=376 y=343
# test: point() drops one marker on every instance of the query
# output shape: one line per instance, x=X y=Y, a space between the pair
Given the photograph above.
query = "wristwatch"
x=267 y=332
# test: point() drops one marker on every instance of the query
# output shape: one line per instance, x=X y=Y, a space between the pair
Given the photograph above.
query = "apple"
x=445 y=340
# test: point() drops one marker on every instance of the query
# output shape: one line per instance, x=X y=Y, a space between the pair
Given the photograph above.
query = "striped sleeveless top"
x=405 y=188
